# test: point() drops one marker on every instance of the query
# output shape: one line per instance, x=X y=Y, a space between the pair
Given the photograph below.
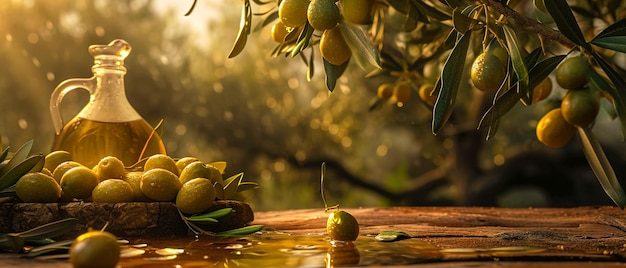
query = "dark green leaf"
x=244 y=30
x=450 y=82
x=510 y=98
x=216 y=214
x=50 y=230
x=533 y=57
x=601 y=167
x=618 y=92
x=311 y=67
x=616 y=29
x=470 y=9
x=454 y=3
x=450 y=39
x=11 y=243
x=401 y=6
x=501 y=106
x=4 y=154
x=543 y=69
x=333 y=72
x=39 y=242
x=390 y=236
x=247 y=185
x=375 y=103
x=462 y=23
x=241 y=231
x=38 y=167
x=430 y=11
x=15 y=173
x=202 y=219
x=19 y=156
x=515 y=49
x=389 y=62
x=566 y=22
x=53 y=247
x=8 y=192
x=303 y=40
x=617 y=43
x=411 y=19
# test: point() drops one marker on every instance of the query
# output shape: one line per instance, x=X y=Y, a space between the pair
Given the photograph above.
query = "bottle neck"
x=108 y=102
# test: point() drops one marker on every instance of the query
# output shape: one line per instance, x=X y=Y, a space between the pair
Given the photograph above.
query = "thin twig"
x=546 y=33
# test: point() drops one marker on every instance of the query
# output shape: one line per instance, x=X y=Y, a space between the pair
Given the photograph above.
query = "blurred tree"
x=264 y=118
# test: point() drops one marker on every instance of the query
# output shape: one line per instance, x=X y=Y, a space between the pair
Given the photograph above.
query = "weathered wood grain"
x=124 y=219
x=572 y=234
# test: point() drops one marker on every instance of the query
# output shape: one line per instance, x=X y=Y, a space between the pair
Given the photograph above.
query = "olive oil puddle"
x=275 y=249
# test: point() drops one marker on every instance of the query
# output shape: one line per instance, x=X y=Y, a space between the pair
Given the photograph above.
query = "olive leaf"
x=601 y=167
x=63 y=245
x=50 y=230
x=15 y=173
x=241 y=231
x=38 y=167
x=303 y=40
x=413 y=16
x=244 y=29
x=450 y=82
x=11 y=243
x=430 y=11
x=612 y=37
x=514 y=49
x=231 y=185
x=505 y=102
x=311 y=66
x=401 y=6
x=4 y=154
x=390 y=236
x=616 y=92
x=211 y=216
x=247 y=185
x=363 y=50
x=333 y=72
x=566 y=22
x=462 y=23
x=617 y=43
x=19 y=156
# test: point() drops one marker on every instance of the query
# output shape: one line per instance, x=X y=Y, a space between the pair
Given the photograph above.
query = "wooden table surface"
x=567 y=237
x=570 y=237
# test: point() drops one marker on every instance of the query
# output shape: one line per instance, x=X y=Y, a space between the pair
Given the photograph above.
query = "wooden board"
x=124 y=219
x=574 y=234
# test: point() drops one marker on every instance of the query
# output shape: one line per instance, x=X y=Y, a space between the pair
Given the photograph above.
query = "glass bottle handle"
x=60 y=91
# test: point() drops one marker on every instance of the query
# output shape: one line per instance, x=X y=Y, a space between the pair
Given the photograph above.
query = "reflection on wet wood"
x=585 y=237
x=467 y=233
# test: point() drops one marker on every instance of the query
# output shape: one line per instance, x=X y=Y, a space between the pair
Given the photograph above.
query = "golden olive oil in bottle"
x=108 y=125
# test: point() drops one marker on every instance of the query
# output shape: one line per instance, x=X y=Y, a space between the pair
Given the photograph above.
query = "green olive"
x=342 y=226
x=195 y=196
x=95 y=249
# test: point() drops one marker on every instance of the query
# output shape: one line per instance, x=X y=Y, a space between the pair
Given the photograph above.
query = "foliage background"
x=264 y=118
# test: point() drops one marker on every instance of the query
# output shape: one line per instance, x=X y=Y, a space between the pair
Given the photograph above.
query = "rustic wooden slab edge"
x=132 y=219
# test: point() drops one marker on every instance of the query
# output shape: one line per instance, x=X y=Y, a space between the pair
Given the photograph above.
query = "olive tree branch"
x=545 y=33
